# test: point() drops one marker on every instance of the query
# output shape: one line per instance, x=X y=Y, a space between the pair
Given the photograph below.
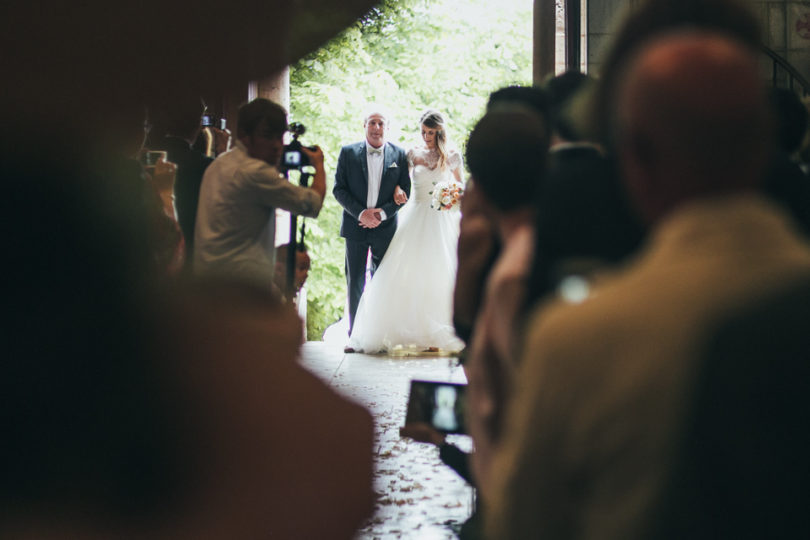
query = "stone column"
x=276 y=88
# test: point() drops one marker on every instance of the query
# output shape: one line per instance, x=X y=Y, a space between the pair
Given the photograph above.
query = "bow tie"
x=375 y=151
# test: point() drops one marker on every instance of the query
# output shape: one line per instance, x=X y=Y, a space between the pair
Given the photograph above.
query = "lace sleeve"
x=410 y=158
x=454 y=161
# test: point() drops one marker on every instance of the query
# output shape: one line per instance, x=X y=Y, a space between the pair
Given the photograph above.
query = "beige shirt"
x=235 y=231
x=604 y=385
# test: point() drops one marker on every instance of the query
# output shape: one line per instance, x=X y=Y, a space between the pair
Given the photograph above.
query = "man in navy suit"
x=371 y=183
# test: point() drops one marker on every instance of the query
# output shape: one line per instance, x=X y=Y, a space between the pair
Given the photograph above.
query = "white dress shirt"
x=236 y=226
x=375 y=158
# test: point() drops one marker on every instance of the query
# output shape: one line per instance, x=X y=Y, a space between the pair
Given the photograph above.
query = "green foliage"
x=408 y=55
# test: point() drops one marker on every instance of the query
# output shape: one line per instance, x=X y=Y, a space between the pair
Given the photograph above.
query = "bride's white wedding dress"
x=408 y=305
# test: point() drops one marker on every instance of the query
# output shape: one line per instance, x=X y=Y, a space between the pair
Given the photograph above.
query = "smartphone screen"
x=439 y=404
x=151 y=157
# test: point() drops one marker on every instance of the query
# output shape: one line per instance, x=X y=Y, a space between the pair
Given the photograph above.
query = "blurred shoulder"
x=353 y=147
x=398 y=149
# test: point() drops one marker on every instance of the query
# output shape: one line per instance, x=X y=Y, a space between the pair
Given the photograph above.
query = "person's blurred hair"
x=652 y=18
x=581 y=226
x=561 y=91
x=530 y=98
x=261 y=111
x=506 y=155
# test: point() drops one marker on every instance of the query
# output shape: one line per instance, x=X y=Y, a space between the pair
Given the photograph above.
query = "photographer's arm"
x=274 y=190
x=319 y=178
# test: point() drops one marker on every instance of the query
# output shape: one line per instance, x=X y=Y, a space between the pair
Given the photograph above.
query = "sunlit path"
x=417 y=495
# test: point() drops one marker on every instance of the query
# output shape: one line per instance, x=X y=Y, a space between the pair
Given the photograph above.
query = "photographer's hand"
x=315 y=155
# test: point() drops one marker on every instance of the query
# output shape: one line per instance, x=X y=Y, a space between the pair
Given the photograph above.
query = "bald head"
x=692 y=120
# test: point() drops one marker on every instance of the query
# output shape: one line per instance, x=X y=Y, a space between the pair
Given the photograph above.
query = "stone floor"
x=417 y=495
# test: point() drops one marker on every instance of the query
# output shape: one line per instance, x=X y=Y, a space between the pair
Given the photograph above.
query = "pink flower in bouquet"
x=446 y=195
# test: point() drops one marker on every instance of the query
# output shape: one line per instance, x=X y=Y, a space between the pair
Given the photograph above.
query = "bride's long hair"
x=434 y=120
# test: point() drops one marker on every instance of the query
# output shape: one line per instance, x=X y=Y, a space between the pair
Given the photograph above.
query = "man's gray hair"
x=373 y=109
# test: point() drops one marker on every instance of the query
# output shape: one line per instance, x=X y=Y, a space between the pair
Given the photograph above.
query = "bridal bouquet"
x=446 y=195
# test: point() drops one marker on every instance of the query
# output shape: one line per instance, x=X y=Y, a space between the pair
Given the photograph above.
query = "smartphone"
x=439 y=404
x=151 y=157
x=207 y=120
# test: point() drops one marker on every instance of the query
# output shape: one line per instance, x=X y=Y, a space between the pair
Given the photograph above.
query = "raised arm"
x=403 y=182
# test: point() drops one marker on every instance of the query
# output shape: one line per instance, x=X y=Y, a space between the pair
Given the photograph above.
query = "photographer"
x=235 y=230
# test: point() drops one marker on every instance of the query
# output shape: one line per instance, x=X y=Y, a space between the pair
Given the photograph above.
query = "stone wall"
x=785 y=27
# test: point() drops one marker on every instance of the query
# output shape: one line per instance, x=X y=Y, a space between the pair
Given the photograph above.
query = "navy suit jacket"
x=351 y=187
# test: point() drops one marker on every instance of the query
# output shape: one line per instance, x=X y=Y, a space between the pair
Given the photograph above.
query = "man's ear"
x=639 y=159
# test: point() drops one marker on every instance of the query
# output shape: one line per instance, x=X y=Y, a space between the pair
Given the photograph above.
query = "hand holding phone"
x=422 y=432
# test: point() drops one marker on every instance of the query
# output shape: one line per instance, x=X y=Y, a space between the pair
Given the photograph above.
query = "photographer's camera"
x=293 y=157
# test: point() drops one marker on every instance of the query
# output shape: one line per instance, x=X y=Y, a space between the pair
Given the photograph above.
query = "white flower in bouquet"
x=446 y=195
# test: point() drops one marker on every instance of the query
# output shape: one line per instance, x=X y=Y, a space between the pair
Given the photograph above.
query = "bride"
x=407 y=306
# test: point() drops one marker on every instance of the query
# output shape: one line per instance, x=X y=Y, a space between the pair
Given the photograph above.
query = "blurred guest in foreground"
x=605 y=383
x=584 y=223
x=730 y=17
x=742 y=470
x=506 y=153
x=136 y=412
x=479 y=240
